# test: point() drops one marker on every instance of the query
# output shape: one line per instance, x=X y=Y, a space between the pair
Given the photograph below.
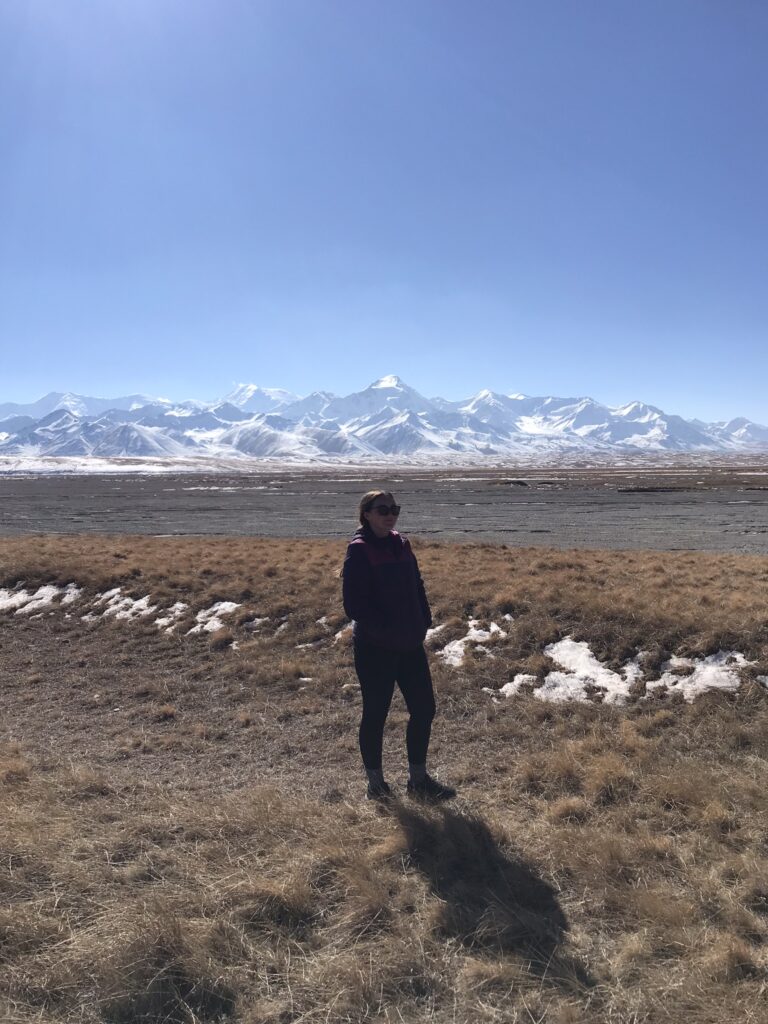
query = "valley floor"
x=677 y=504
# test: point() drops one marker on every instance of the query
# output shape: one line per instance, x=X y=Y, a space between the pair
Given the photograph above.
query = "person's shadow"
x=491 y=900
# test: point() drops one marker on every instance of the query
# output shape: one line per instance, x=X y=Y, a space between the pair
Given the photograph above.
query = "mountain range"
x=386 y=419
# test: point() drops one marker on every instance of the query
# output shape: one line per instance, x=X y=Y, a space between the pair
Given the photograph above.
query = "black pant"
x=378 y=670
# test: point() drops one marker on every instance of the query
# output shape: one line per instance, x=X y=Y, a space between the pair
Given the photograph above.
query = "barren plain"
x=677 y=506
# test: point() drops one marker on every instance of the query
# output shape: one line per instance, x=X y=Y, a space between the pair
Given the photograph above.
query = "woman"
x=384 y=596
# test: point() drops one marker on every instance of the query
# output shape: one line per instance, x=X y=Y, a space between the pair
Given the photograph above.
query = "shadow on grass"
x=491 y=900
x=172 y=997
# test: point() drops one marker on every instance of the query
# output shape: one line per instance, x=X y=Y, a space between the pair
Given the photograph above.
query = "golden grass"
x=621 y=602
x=183 y=836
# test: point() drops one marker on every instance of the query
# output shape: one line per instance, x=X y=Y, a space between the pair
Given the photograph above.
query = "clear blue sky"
x=546 y=196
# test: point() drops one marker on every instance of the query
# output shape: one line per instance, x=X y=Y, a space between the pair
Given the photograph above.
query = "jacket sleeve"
x=357 y=589
x=425 y=609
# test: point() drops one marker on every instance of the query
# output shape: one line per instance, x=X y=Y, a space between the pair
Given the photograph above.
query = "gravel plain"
x=679 y=507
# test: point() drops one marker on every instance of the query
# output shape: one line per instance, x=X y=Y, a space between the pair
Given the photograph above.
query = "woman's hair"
x=367 y=502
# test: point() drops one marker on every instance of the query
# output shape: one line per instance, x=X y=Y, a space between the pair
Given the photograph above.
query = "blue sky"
x=538 y=196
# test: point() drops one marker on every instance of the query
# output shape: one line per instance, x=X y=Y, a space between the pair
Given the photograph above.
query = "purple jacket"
x=384 y=593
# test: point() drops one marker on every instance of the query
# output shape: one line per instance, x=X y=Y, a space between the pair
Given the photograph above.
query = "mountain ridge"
x=388 y=419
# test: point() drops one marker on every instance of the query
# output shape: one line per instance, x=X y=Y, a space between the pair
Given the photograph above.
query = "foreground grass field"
x=183 y=837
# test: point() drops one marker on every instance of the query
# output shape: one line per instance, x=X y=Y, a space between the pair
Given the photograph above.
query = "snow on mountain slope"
x=134 y=439
x=501 y=410
x=79 y=404
x=387 y=419
x=275 y=437
x=741 y=430
x=309 y=408
x=252 y=398
x=385 y=393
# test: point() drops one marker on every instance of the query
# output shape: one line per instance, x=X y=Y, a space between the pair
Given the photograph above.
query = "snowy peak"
x=388 y=418
x=744 y=432
x=387 y=392
x=311 y=407
x=252 y=398
x=79 y=404
x=638 y=412
x=391 y=382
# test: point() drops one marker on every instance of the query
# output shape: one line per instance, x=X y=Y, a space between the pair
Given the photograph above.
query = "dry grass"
x=183 y=837
x=621 y=602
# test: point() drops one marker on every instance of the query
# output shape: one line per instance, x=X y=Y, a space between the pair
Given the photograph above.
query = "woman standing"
x=385 y=598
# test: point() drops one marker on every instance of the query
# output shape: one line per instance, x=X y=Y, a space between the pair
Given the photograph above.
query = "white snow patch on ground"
x=44 y=597
x=715 y=672
x=253 y=624
x=209 y=619
x=433 y=631
x=22 y=602
x=453 y=652
x=513 y=686
x=11 y=600
x=172 y=616
x=562 y=686
x=582 y=669
x=344 y=631
x=122 y=607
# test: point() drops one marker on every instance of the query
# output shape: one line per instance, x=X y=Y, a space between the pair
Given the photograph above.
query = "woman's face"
x=379 y=522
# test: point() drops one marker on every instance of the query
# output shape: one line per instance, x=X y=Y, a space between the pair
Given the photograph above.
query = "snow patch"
x=513 y=687
x=253 y=624
x=453 y=652
x=44 y=597
x=209 y=619
x=122 y=607
x=582 y=670
x=10 y=600
x=22 y=602
x=172 y=616
x=715 y=672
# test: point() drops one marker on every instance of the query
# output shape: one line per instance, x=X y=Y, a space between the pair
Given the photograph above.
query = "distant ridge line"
x=388 y=419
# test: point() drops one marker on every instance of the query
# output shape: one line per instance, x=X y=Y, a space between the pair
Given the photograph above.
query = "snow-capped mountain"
x=78 y=404
x=744 y=431
x=252 y=398
x=386 y=393
x=388 y=419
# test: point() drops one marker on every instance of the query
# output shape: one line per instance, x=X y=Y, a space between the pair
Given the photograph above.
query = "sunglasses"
x=386 y=510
